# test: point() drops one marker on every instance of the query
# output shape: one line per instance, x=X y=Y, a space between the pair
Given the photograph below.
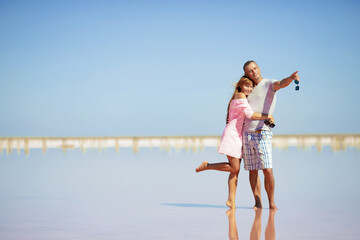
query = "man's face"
x=253 y=72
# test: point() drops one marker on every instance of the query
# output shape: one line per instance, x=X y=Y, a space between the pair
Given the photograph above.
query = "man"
x=257 y=149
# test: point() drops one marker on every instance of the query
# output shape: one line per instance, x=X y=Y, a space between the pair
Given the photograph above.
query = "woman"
x=231 y=140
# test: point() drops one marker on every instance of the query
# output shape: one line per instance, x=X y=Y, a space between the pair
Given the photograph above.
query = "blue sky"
x=114 y=68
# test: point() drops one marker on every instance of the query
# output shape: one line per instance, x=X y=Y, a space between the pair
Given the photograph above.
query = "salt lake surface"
x=157 y=195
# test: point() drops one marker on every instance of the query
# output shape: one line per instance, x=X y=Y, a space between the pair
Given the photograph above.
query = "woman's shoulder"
x=238 y=102
x=239 y=95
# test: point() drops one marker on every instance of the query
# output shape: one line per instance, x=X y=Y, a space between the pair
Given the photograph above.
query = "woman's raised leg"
x=231 y=166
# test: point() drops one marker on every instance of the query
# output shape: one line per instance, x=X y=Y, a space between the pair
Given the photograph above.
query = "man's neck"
x=258 y=81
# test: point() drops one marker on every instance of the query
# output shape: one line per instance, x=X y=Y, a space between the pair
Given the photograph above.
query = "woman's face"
x=247 y=88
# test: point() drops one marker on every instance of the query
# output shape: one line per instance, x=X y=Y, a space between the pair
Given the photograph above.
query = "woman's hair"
x=238 y=87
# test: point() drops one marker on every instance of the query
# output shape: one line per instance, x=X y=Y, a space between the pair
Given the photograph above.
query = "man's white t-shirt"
x=262 y=100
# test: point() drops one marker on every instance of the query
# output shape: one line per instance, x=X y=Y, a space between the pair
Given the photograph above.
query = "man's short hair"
x=247 y=63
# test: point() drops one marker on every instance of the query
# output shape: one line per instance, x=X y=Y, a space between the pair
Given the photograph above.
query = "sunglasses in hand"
x=297 y=88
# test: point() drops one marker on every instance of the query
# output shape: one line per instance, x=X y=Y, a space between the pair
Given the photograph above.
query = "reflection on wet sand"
x=337 y=142
x=256 y=227
x=270 y=228
x=255 y=232
x=233 y=233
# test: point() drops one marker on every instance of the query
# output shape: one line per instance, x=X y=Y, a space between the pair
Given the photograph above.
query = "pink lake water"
x=157 y=195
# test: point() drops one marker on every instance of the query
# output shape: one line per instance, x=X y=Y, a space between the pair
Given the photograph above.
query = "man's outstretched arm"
x=286 y=81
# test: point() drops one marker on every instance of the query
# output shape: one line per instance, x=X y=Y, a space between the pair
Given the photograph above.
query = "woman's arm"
x=260 y=116
x=255 y=115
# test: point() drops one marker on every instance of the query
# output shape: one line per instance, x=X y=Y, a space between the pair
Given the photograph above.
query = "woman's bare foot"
x=230 y=204
x=202 y=166
x=230 y=212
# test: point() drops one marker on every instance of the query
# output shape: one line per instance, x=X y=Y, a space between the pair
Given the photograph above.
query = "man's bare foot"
x=257 y=206
x=230 y=204
x=272 y=206
x=202 y=166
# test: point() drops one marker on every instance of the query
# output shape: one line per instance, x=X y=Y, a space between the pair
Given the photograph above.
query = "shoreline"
x=337 y=142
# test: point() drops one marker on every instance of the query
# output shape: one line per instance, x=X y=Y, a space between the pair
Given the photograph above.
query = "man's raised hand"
x=295 y=75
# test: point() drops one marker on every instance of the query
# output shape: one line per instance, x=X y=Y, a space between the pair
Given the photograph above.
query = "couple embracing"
x=246 y=136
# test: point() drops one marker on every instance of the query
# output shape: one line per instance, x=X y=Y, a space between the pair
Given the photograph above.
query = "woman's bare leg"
x=223 y=166
x=233 y=180
x=233 y=166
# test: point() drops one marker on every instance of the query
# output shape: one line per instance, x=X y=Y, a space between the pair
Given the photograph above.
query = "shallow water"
x=157 y=195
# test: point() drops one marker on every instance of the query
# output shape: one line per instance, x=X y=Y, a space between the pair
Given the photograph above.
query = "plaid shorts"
x=257 y=150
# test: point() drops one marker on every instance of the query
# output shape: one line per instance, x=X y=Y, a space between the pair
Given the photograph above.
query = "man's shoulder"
x=271 y=80
x=268 y=82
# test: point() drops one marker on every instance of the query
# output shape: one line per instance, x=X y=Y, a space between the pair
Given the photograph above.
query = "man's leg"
x=250 y=158
x=255 y=187
x=265 y=154
x=270 y=186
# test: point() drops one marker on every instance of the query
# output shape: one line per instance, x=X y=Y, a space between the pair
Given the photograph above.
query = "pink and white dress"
x=231 y=140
